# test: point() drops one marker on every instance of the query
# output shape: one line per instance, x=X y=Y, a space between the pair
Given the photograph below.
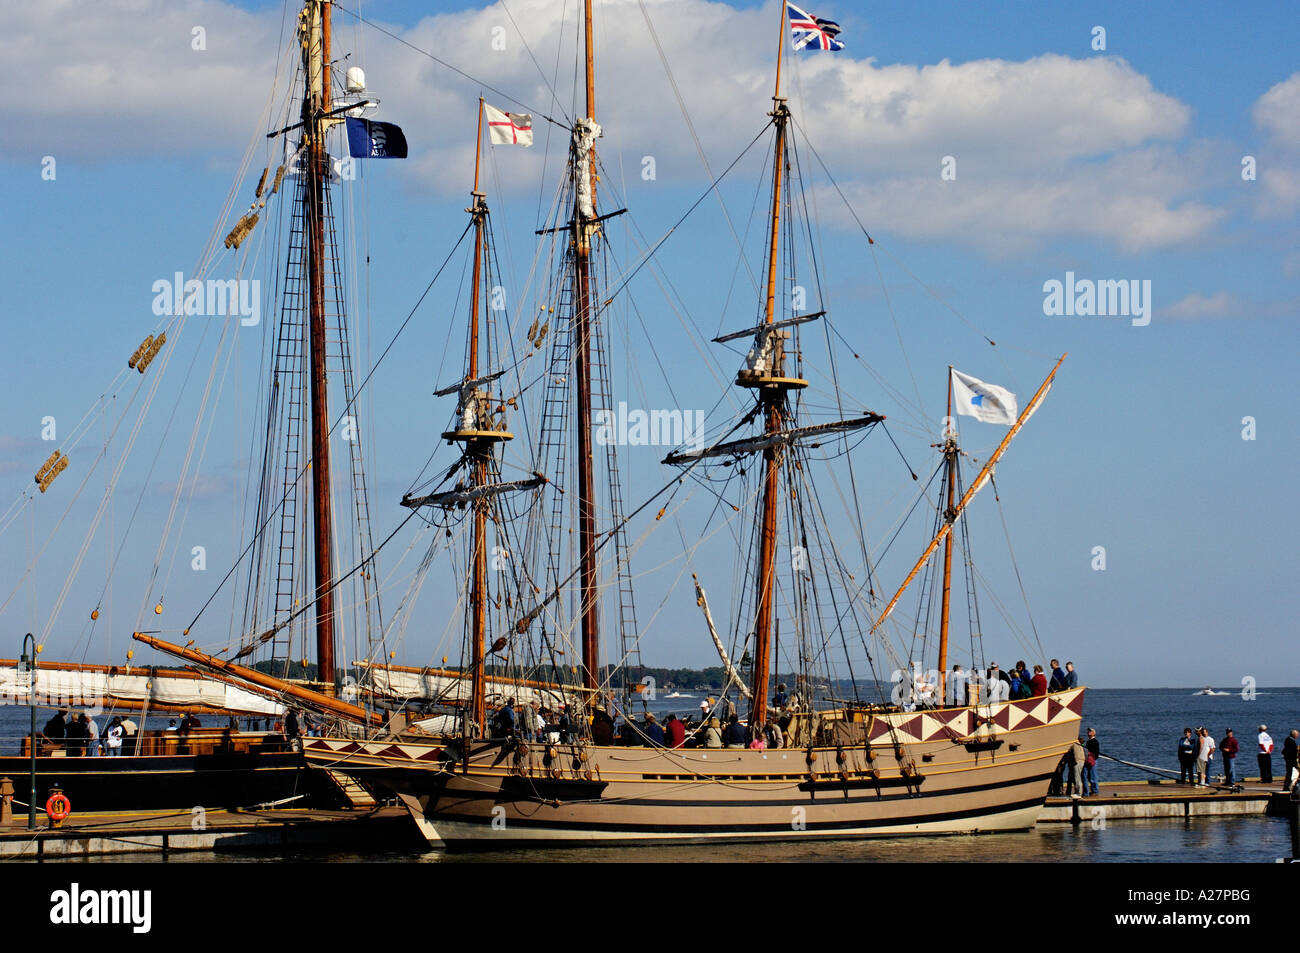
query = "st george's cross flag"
x=509 y=129
x=812 y=33
x=988 y=403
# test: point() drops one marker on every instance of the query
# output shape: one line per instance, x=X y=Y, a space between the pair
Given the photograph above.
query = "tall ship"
x=305 y=581
x=869 y=745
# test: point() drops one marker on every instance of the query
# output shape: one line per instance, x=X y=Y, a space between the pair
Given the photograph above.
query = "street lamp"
x=27 y=664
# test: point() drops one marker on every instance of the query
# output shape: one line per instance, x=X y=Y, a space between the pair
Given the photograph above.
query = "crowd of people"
x=80 y=735
x=1196 y=751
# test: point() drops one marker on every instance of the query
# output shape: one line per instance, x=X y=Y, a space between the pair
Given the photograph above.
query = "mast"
x=949 y=514
x=585 y=226
x=772 y=399
x=478 y=450
x=315 y=104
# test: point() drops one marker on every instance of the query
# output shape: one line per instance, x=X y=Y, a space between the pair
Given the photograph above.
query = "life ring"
x=58 y=807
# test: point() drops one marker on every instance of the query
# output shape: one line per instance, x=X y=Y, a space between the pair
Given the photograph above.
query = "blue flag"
x=375 y=140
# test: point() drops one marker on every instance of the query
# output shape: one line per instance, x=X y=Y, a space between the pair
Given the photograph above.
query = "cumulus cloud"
x=1277 y=115
x=1046 y=147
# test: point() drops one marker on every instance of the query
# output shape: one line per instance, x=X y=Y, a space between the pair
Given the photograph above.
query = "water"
x=1139 y=725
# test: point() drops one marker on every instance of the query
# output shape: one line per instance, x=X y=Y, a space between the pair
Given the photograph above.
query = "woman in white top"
x=1203 y=756
x=113 y=737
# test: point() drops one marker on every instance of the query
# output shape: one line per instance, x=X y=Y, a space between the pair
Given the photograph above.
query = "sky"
x=988 y=150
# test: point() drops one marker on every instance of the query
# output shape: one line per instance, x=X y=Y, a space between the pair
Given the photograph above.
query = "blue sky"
x=1123 y=163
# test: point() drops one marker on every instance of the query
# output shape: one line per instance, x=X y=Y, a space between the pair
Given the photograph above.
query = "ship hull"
x=211 y=779
x=951 y=771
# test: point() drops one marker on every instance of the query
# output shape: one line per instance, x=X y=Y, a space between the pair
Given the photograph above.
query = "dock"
x=126 y=832
x=1131 y=800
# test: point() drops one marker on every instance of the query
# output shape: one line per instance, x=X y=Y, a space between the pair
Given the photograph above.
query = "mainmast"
x=315 y=104
x=478 y=450
x=772 y=385
x=584 y=227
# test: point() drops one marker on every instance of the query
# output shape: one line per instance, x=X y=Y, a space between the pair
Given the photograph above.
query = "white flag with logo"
x=509 y=129
x=988 y=403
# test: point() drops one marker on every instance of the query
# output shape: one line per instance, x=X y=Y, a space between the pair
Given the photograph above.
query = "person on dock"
x=1090 y=762
x=1076 y=757
x=1187 y=749
x=1265 y=756
x=1289 y=752
x=1058 y=677
x=1228 y=747
x=1204 y=755
x=1071 y=676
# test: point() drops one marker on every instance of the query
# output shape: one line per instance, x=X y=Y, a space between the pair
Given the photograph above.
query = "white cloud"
x=1051 y=146
x=1278 y=111
x=1221 y=305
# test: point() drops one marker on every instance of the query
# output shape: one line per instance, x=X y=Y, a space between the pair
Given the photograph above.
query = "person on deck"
x=1290 y=749
x=528 y=720
x=1058 y=677
x=955 y=690
x=734 y=735
x=56 y=729
x=602 y=727
x=92 y=735
x=130 y=736
x=113 y=735
x=781 y=698
x=772 y=733
x=1039 y=682
x=1229 y=748
x=1090 y=762
x=76 y=736
x=653 y=731
x=503 y=722
x=674 y=732
x=713 y=734
x=1265 y=756
x=1071 y=676
x=1187 y=749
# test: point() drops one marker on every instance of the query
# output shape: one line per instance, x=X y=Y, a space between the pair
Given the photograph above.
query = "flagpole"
x=780 y=48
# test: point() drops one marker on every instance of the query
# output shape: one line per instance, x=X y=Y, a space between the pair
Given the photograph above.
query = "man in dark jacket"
x=734 y=735
x=1057 y=683
x=1186 y=757
x=654 y=733
x=1228 y=747
x=56 y=729
x=1093 y=747
x=1289 y=752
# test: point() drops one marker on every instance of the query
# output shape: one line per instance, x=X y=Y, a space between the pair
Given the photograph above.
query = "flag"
x=375 y=140
x=988 y=403
x=509 y=129
x=812 y=33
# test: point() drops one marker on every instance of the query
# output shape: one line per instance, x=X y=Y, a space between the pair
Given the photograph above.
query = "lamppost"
x=27 y=663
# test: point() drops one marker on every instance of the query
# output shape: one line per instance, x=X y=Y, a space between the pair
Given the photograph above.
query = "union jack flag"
x=812 y=33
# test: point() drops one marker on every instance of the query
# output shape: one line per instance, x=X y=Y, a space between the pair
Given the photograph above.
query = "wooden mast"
x=950 y=455
x=316 y=103
x=478 y=451
x=584 y=229
x=772 y=399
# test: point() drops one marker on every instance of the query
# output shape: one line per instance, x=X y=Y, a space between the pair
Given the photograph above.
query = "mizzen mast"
x=315 y=28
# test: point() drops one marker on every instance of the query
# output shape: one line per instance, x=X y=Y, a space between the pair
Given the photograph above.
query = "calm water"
x=1136 y=725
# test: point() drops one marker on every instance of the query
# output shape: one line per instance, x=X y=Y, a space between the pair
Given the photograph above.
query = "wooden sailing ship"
x=219 y=763
x=850 y=770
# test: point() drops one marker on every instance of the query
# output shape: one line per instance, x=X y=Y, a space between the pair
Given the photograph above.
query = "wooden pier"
x=122 y=832
x=1130 y=800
